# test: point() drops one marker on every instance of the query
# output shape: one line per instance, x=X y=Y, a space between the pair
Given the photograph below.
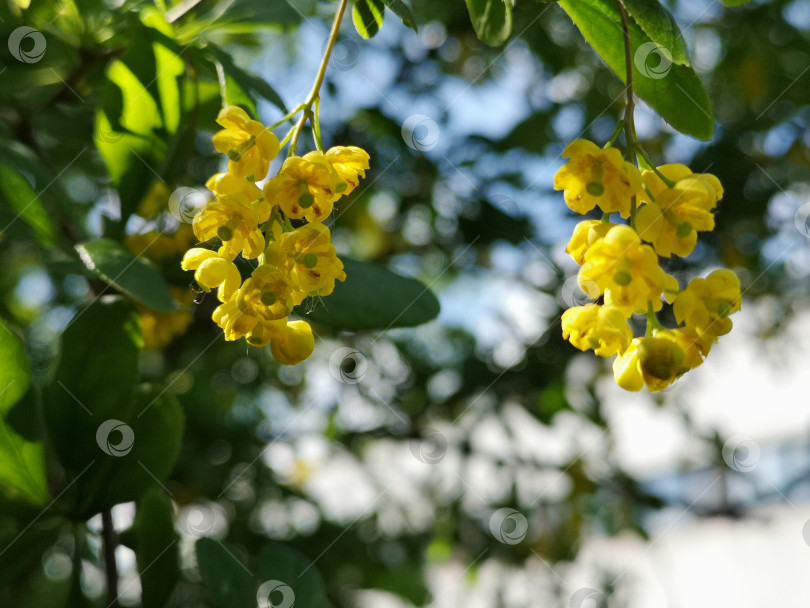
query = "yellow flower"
x=308 y=257
x=654 y=362
x=249 y=146
x=350 y=163
x=212 y=271
x=706 y=304
x=585 y=234
x=155 y=200
x=228 y=183
x=160 y=328
x=267 y=294
x=235 y=221
x=626 y=271
x=597 y=177
x=304 y=187
x=671 y=217
x=294 y=343
x=237 y=322
x=602 y=328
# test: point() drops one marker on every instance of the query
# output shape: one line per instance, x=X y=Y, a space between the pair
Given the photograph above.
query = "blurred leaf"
x=373 y=297
x=674 y=91
x=367 y=16
x=225 y=576
x=735 y=2
x=249 y=83
x=22 y=462
x=281 y=564
x=134 y=276
x=21 y=196
x=660 y=26
x=157 y=423
x=492 y=224
x=404 y=12
x=492 y=20
x=94 y=380
x=156 y=548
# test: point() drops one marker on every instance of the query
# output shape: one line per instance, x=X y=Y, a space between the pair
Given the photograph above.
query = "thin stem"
x=108 y=547
x=316 y=87
x=629 y=123
x=616 y=132
x=295 y=111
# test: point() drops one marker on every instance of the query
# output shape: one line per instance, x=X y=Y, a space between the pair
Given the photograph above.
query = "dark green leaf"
x=130 y=274
x=157 y=422
x=735 y=2
x=660 y=27
x=373 y=297
x=492 y=20
x=674 y=91
x=156 y=548
x=251 y=84
x=225 y=575
x=367 y=16
x=281 y=566
x=94 y=381
x=22 y=198
x=403 y=11
x=15 y=376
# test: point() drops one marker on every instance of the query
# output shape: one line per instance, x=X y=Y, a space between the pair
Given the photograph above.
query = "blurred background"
x=476 y=460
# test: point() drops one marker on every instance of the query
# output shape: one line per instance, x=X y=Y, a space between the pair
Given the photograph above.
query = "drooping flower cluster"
x=666 y=208
x=293 y=262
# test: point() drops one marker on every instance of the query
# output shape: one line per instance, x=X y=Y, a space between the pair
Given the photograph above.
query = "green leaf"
x=133 y=276
x=22 y=198
x=94 y=380
x=373 y=297
x=735 y=2
x=281 y=566
x=157 y=423
x=492 y=20
x=674 y=91
x=156 y=548
x=367 y=16
x=22 y=462
x=225 y=575
x=249 y=83
x=404 y=12
x=660 y=26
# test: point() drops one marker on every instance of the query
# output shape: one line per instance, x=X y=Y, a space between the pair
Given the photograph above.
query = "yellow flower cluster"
x=666 y=207
x=293 y=262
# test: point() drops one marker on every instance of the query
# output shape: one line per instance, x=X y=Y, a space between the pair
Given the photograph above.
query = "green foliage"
x=674 y=91
x=492 y=20
x=367 y=16
x=22 y=198
x=659 y=25
x=373 y=297
x=228 y=580
x=130 y=274
x=157 y=548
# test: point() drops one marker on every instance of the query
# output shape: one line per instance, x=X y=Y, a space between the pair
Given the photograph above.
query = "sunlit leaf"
x=22 y=198
x=367 y=16
x=492 y=20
